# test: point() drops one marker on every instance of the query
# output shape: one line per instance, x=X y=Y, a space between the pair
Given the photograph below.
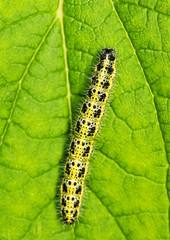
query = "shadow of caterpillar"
x=86 y=127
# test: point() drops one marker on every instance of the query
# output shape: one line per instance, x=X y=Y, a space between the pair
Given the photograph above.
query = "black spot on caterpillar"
x=86 y=127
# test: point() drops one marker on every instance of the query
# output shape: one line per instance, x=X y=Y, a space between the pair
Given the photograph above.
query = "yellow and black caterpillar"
x=86 y=127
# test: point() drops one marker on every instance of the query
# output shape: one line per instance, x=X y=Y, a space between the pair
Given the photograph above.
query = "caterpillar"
x=86 y=127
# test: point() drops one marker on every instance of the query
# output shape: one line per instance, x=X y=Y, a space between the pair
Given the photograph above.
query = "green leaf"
x=47 y=53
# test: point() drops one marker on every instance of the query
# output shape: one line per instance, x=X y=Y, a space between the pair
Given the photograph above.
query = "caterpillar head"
x=108 y=52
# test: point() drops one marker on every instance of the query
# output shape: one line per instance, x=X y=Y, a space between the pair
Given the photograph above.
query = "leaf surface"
x=47 y=53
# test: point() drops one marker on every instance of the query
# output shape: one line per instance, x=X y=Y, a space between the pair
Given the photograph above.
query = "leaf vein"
x=23 y=19
x=124 y=235
x=22 y=78
x=60 y=16
x=147 y=83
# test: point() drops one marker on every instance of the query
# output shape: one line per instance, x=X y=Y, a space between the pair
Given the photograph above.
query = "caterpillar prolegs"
x=82 y=141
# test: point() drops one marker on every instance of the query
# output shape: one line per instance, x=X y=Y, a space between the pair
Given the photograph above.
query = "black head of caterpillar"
x=82 y=142
x=108 y=52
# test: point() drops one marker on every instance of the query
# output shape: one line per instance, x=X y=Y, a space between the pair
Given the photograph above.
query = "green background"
x=47 y=53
